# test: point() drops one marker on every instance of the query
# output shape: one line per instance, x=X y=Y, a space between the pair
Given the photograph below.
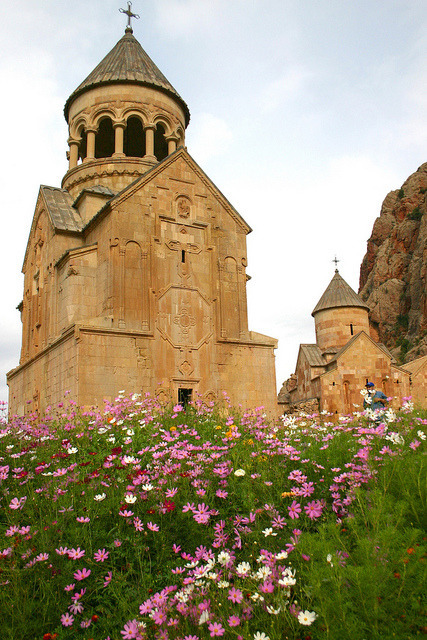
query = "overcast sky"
x=305 y=114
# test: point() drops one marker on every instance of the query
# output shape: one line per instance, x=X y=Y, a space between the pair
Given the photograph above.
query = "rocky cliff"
x=393 y=274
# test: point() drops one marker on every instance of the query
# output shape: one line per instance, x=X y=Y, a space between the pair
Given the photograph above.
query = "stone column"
x=74 y=153
x=172 y=142
x=149 y=141
x=90 y=144
x=119 y=129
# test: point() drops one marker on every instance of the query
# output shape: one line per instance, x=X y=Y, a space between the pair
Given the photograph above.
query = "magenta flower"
x=216 y=629
x=75 y=554
x=313 y=509
x=152 y=526
x=235 y=595
x=233 y=621
x=69 y=587
x=67 y=620
x=101 y=555
x=83 y=519
x=17 y=503
x=294 y=510
x=130 y=630
x=107 y=578
x=81 y=575
x=62 y=551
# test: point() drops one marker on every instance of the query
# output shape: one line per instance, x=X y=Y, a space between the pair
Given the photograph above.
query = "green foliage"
x=416 y=214
x=329 y=516
x=401 y=194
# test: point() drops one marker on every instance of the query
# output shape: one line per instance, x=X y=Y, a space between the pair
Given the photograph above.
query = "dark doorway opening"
x=184 y=397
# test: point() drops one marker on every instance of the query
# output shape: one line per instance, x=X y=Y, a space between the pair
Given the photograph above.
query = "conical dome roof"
x=127 y=63
x=339 y=294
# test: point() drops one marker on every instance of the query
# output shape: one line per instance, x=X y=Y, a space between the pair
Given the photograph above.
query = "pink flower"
x=152 y=527
x=82 y=519
x=101 y=555
x=107 y=578
x=75 y=554
x=117 y=543
x=216 y=629
x=294 y=510
x=138 y=524
x=81 y=575
x=62 y=551
x=221 y=493
x=42 y=556
x=69 y=587
x=233 y=621
x=17 y=503
x=313 y=509
x=235 y=595
x=125 y=513
x=67 y=620
x=130 y=630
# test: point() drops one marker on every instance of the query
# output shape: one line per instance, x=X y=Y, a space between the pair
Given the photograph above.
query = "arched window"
x=160 y=144
x=104 y=139
x=82 y=145
x=134 y=138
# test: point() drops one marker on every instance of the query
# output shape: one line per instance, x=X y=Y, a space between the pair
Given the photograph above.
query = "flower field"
x=148 y=522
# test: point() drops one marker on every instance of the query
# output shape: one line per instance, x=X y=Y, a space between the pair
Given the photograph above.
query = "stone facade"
x=135 y=270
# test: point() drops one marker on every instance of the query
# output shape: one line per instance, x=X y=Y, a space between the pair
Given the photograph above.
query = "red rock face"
x=393 y=274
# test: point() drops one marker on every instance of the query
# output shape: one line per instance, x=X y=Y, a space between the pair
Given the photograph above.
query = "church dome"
x=128 y=63
x=339 y=294
x=123 y=119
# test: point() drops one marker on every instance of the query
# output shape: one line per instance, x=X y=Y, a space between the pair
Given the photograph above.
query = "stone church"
x=135 y=269
x=330 y=373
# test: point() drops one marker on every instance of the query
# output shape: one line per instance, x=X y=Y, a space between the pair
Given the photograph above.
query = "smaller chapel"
x=135 y=268
x=330 y=373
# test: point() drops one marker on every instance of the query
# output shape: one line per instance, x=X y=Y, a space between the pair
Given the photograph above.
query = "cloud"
x=209 y=136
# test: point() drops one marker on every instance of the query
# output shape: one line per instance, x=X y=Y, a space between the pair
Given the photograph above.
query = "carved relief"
x=184 y=320
x=183 y=207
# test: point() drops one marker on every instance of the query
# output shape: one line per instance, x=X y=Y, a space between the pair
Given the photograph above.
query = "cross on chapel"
x=336 y=263
x=130 y=15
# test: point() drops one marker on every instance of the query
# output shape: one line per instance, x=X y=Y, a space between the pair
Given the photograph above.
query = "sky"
x=304 y=113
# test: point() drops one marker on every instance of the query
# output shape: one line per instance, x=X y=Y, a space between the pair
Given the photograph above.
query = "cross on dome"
x=336 y=263
x=130 y=15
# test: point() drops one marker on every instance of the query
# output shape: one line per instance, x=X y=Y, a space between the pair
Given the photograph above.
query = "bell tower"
x=122 y=119
x=135 y=270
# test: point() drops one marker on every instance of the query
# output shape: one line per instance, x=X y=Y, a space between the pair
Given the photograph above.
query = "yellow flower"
x=288 y=494
x=172 y=429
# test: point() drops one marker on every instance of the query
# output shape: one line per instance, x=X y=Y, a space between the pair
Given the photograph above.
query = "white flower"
x=204 y=617
x=72 y=450
x=224 y=558
x=306 y=617
x=263 y=573
x=147 y=487
x=272 y=611
x=421 y=435
x=282 y=555
x=239 y=472
x=269 y=532
x=223 y=584
x=99 y=497
x=128 y=460
x=329 y=559
x=395 y=438
x=130 y=498
x=261 y=636
x=257 y=596
x=243 y=568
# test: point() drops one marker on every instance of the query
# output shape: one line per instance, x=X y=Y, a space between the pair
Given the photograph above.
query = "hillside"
x=393 y=274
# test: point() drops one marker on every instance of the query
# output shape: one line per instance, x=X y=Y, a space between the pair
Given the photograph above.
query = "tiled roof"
x=415 y=365
x=313 y=354
x=339 y=294
x=127 y=62
x=96 y=189
x=59 y=204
